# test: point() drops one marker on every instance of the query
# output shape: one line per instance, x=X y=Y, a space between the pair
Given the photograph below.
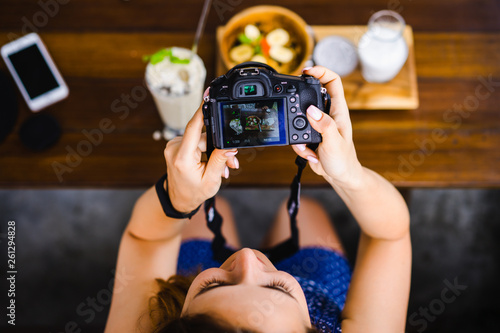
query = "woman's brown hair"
x=166 y=306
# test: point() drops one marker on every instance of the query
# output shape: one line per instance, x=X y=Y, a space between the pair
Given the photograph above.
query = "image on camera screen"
x=255 y=123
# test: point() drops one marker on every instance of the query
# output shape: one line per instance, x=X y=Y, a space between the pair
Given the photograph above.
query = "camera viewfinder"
x=250 y=90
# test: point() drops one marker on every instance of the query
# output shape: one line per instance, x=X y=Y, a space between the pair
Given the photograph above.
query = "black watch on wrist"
x=166 y=204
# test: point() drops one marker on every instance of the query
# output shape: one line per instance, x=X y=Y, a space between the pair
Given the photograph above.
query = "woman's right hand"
x=336 y=158
x=190 y=180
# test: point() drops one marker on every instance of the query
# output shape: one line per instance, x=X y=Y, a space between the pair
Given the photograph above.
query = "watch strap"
x=166 y=204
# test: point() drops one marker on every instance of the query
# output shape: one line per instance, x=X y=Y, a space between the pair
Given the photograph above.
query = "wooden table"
x=451 y=140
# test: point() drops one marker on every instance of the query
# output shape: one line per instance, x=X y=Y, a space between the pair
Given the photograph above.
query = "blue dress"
x=323 y=274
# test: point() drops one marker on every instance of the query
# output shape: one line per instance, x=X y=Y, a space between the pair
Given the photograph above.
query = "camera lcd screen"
x=253 y=123
x=33 y=71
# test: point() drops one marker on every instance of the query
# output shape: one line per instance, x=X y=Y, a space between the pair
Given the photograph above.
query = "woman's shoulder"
x=324 y=276
x=319 y=264
x=195 y=255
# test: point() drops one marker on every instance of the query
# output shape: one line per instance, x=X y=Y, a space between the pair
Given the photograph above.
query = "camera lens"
x=300 y=123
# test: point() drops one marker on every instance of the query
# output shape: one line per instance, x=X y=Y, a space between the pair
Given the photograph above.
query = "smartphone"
x=34 y=72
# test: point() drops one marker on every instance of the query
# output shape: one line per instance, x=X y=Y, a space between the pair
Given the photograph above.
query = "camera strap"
x=282 y=250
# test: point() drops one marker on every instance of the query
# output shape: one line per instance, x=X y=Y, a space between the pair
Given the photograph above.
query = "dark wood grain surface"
x=451 y=140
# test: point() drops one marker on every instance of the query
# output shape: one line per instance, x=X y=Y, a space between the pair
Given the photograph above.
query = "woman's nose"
x=247 y=267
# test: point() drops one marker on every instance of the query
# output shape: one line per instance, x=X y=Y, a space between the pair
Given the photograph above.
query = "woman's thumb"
x=321 y=121
x=217 y=163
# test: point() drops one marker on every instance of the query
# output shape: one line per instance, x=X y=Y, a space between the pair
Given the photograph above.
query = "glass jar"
x=382 y=49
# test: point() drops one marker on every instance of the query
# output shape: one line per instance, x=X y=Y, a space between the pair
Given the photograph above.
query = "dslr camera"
x=254 y=106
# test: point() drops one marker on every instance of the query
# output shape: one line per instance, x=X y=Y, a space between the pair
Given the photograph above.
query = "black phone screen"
x=33 y=71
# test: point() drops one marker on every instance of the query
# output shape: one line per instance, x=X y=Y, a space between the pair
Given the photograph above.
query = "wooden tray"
x=399 y=94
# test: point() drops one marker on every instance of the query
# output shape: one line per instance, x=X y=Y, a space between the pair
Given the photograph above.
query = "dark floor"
x=67 y=241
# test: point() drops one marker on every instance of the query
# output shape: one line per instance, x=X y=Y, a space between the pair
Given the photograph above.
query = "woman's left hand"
x=191 y=181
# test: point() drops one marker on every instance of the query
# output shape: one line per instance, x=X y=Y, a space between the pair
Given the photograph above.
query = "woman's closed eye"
x=211 y=283
x=276 y=284
x=280 y=285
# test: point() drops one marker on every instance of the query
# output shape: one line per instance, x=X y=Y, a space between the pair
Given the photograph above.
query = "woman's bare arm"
x=150 y=244
x=378 y=295
x=149 y=249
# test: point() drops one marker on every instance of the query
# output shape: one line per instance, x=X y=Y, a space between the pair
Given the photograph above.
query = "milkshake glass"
x=176 y=83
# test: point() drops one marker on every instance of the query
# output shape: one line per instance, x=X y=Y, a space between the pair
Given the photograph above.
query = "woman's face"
x=247 y=291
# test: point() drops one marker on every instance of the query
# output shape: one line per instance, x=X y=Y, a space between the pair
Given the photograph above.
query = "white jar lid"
x=337 y=54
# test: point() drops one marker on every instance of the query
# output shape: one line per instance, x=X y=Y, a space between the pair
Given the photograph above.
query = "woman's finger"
x=312 y=157
x=323 y=124
x=171 y=147
x=233 y=162
x=225 y=173
x=329 y=79
x=306 y=153
x=192 y=133
x=216 y=165
x=339 y=110
x=202 y=144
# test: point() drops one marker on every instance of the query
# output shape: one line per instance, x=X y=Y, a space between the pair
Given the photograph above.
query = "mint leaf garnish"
x=162 y=54
x=176 y=60
x=244 y=39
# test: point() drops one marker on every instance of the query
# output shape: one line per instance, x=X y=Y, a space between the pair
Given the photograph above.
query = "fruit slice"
x=259 y=58
x=241 y=53
x=281 y=54
x=278 y=37
x=264 y=46
x=252 y=32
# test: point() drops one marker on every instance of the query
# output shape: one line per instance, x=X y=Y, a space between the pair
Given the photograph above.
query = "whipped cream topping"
x=172 y=79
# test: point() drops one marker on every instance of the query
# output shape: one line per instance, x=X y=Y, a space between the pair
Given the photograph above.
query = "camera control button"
x=223 y=92
x=218 y=80
x=278 y=88
x=300 y=123
x=293 y=99
x=291 y=89
x=293 y=109
x=295 y=137
x=311 y=80
x=305 y=136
